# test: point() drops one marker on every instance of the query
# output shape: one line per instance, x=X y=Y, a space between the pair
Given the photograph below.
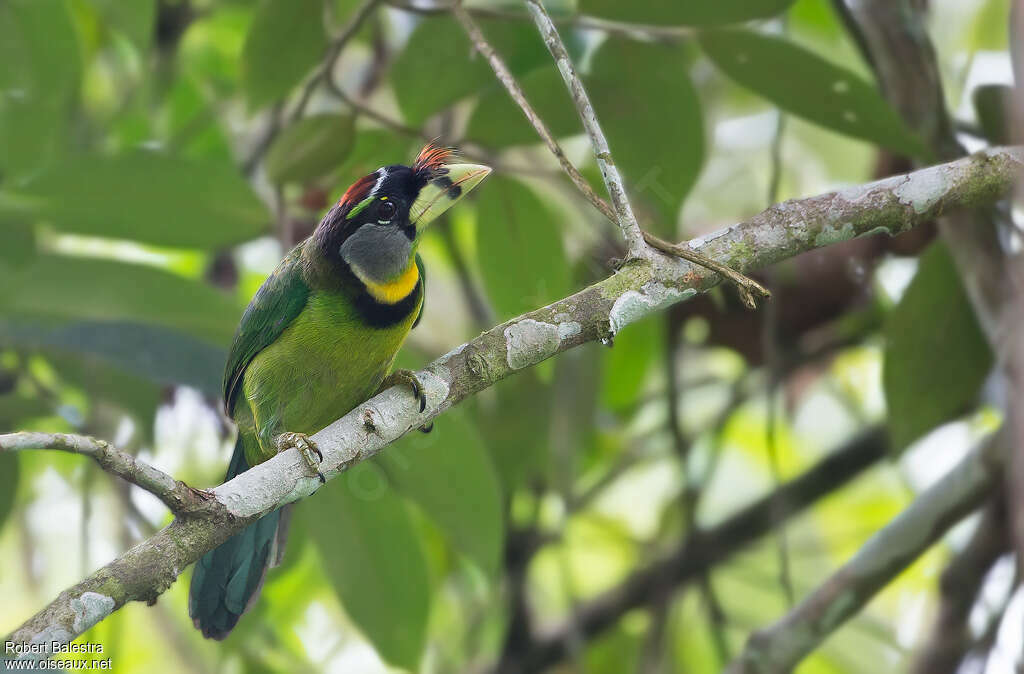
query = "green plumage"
x=318 y=339
x=303 y=356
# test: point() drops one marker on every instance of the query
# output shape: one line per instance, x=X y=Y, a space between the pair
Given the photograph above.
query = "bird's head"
x=376 y=226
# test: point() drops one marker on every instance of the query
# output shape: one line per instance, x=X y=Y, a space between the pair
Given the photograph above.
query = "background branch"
x=780 y=647
x=704 y=549
x=176 y=495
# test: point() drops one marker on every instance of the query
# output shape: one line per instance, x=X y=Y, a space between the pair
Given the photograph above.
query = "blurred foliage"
x=936 y=356
x=158 y=156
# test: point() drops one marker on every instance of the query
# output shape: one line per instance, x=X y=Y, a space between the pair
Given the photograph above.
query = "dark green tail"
x=226 y=579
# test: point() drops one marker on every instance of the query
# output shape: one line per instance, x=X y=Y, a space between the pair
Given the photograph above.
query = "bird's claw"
x=311 y=454
x=409 y=378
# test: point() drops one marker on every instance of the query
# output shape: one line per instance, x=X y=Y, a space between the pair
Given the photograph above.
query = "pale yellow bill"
x=442 y=193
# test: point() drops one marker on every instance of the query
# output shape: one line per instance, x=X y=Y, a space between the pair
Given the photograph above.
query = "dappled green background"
x=158 y=157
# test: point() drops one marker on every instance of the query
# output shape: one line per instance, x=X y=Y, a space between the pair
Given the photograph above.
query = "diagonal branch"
x=609 y=171
x=622 y=214
x=176 y=495
x=595 y=313
x=704 y=549
x=337 y=45
x=779 y=648
x=505 y=76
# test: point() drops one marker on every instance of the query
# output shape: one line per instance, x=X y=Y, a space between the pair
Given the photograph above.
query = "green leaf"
x=799 y=81
x=285 y=41
x=627 y=363
x=312 y=147
x=17 y=242
x=450 y=474
x=438 y=67
x=54 y=286
x=681 y=12
x=520 y=248
x=136 y=19
x=992 y=103
x=498 y=122
x=15 y=408
x=104 y=383
x=372 y=149
x=39 y=73
x=149 y=197
x=518 y=448
x=375 y=561
x=650 y=112
x=164 y=356
x=936 y=357
x=8 y=484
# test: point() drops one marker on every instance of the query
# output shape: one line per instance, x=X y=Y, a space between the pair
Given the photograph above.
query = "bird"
x=319 y=337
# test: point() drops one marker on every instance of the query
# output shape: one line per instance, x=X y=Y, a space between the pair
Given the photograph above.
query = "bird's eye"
x=386 y=211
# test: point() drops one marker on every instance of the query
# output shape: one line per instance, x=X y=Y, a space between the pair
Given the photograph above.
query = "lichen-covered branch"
x=777 y=649
x=597 y=312
x=176 y=495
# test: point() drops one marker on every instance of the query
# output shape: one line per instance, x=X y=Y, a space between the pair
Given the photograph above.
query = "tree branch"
x=180 y=498
x=323 y=71
x=504 y=76
x=609 y=171
x=640 y=288
x=702 y=550
x=960 y=585
x=778 y=648
x=905 y=63
x=622 y=213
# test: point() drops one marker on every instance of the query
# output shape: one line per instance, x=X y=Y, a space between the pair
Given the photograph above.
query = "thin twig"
x=175 y=494
x=478 y=307
x=323 y=71
x=516 y=92
x=748 y=288
x=770 y=339
x=690 y=495
x=609 y=171
x=621 y=213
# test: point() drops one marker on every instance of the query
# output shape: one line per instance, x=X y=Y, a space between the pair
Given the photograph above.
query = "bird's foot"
x=311 y=454
x=407 y=377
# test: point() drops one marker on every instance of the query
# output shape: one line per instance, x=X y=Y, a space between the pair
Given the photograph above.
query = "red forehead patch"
x=359 y=190
x=431 y=158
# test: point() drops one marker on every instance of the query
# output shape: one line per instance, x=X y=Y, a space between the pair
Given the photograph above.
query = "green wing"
x=280 y=299
x=423 y=290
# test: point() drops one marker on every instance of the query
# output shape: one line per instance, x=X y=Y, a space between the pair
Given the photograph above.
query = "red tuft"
x=358 y=191
x=431 y=158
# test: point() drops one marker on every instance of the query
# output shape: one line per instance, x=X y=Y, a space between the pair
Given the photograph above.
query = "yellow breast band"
x=391 y=292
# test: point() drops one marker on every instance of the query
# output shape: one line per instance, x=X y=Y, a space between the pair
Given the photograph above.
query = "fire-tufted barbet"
x=320 y=337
